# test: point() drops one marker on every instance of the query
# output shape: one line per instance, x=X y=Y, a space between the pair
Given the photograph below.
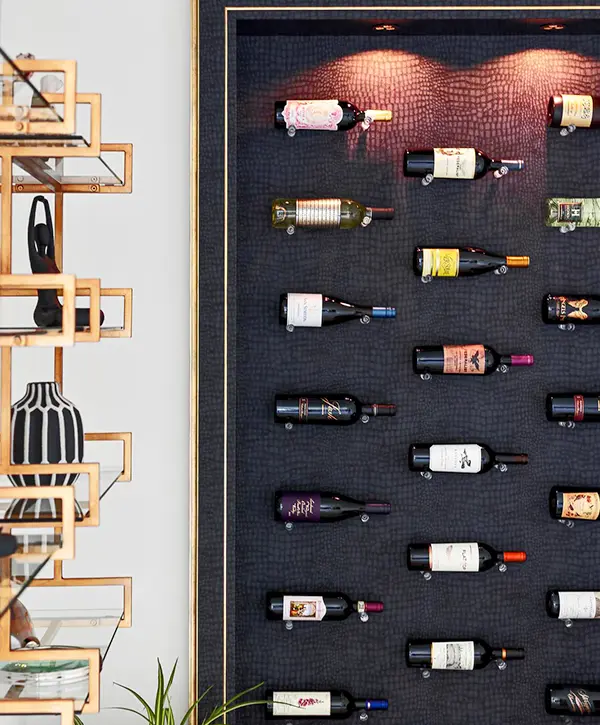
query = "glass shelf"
x=54 y=677
x=107 y=169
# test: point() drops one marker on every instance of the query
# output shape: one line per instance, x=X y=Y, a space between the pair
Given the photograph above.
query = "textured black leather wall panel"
x=483 y=91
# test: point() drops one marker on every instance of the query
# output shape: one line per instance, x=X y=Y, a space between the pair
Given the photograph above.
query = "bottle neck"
x=511 y=458
x=376 y=507
x=511 y=165
x=368 y=607
x=508 y=653
x=374 y=410
x=512 y=557
x=371 y=704
x=379 y=212
x=512 y=261
x=516 y=360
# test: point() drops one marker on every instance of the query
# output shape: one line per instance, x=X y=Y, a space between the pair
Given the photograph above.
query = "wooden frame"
x=22 y=125
x=65 y=709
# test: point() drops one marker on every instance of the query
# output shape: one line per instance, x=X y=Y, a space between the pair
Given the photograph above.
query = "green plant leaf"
x=226 y=711
x=171 y=678
x=159 y=701
x=135 y=712
x=151 y=716
x=77 y=720
x=245 y=692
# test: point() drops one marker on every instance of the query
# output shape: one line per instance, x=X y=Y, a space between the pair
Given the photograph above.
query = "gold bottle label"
x=577 y=111
x=584 y=505
x=464 y=359
x=440 y=262
x=318 y=212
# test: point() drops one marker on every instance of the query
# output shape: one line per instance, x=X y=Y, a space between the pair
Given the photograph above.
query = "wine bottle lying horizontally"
x=573 y=605
x=455 y=163
x=572 y=699
x=459 y=458
x=574 y=110
x=336 y=704
x=472 y=654
x=572 y=212
x=324 y=115
x=306 y=309
x=323 y=409
x=324 y=214
x=323 y=506
x=463 y=360
x=571 y=309
x=572 y=502
x=459 y=557
x=575 y=407
x=316 y=607
x=431 y=262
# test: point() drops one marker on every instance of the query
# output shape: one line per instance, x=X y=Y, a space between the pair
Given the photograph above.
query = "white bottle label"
x=455 y=458
x=316 y=115
x=454 y=163
x=454 y=557
x=453 y=655
x=303 y=607
x=304 y=310
x=301 y=704
x=577 y=111
x=579 y=605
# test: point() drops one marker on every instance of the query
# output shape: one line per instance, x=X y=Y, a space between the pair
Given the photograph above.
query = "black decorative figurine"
x=40 y=239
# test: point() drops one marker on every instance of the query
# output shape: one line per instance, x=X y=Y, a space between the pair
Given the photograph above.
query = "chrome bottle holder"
x=568 y=130
x=502 y=171
x=569 y=327
x=501 y=270
x=569 y=424
x=427 y=179
x=570 y=227
x=291 y=132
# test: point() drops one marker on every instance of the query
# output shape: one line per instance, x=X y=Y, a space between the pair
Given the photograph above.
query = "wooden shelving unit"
x=36 y=142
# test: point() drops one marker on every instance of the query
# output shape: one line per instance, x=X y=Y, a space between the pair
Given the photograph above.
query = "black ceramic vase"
x=46 y=428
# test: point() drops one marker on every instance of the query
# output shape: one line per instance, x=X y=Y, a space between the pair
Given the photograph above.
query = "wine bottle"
x=462 y=557
x=323 y=409
x=573 y=605
x=454 y=163
x=572 y=699
x=459 y=457
x=323 y=115
x=573 y=110
x=443 y=262
x=570 y=502
x=322 y=506
x=463 y=360
x=316 y=607
x=304 y=309
x=468 y=655
x=575 y=309
x=576 y=407
x=572 y=212
x=324 y=214
x=336 y=704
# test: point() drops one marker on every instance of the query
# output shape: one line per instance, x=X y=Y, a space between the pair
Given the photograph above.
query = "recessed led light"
x=385 y=27
x=553 y=26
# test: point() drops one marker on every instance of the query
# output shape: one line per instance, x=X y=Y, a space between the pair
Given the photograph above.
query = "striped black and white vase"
x=46 y=428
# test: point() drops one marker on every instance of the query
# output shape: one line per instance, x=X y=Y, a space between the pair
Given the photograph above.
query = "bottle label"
x=464 y=359
x=298 y=607
x=440 y=262
x=577 y=111
x=584 y=505
x=316 y=115
x=579 y=605
x=331 y=410
x=582 y=212
x=454 y=163
x=453 y=655
x=301 y=507
x=579 y=702
x=455 y=458
x=569 y=309
x=320 y=213
x=304 y=310
x=302 y=704
x=454 y=557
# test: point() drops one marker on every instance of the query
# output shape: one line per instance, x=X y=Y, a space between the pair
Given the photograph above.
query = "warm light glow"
x=553 y=26
x=385 y=27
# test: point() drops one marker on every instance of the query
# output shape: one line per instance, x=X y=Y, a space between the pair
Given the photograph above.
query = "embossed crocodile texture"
x=483 y=91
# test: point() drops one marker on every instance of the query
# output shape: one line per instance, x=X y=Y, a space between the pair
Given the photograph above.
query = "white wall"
x=137 y=55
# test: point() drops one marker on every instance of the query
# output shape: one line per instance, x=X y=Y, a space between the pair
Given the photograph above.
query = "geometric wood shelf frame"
x=31 y=155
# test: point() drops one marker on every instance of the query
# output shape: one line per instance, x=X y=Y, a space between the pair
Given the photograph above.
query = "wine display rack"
x=453 y=76
x=41 y=147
